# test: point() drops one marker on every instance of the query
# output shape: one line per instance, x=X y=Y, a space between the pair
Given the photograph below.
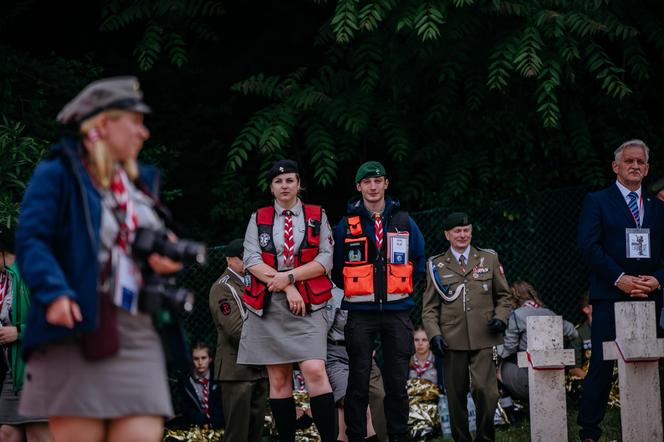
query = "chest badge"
x=264 y=240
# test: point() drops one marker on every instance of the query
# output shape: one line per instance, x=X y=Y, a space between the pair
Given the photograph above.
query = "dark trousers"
x=396 y=332
x=477 y=369
x=597 y=383
x=244 y=407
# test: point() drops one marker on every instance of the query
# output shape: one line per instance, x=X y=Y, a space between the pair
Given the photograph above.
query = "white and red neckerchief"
x=5 y=285
x=125 y=205
x=530 y=303
x=421 y=369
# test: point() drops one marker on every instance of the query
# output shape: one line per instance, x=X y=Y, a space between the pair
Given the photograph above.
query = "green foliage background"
x=465 y=101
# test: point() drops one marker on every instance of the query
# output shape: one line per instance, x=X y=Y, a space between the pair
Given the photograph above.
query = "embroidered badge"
x=225 y=308
x=264 y=239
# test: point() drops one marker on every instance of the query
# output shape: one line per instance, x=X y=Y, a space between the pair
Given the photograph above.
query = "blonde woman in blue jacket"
x=78 y=219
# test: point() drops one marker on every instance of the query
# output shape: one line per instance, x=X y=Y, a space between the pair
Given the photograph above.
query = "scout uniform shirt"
x=228 y=312
x=474 y=297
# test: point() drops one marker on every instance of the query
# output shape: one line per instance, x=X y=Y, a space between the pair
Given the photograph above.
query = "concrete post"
x=546 y=360
x=637 y=351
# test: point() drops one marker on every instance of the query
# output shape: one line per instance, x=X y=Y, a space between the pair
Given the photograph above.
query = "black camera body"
x=159 y=289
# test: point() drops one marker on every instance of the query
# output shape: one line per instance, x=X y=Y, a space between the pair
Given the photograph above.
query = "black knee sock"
x=323 y=412
x=283 y=411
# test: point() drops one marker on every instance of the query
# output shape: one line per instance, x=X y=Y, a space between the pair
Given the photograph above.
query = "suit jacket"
x=228 y=312
x=601 y=239
x=463 y=322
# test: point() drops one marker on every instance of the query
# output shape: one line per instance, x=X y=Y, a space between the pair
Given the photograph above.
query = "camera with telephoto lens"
x=159 y=289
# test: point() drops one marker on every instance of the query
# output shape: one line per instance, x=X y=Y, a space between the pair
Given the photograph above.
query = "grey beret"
x=107 y=93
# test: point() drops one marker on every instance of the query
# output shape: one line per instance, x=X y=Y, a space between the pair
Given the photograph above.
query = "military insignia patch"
x=225 y=308
x=264 y=239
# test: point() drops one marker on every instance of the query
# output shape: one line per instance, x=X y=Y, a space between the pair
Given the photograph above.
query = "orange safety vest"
x=314 y=291
x=367 y=275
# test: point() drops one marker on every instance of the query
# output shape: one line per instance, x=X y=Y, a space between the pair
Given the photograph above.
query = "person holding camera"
x=287 y=253
x=95 y=364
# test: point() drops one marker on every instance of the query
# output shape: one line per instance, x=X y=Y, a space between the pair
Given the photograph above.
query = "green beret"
x=456 y=219
x=368 y=170
x=657 y=186
x=108 y=93
x=234 y=248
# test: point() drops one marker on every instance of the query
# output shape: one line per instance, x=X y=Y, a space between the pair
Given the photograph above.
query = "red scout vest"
x=367 y=275
x=314 y=291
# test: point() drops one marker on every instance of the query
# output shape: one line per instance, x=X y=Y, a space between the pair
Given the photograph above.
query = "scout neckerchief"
x=5 y=288
x=530 y=303
x=420 y=369
x=126 y=274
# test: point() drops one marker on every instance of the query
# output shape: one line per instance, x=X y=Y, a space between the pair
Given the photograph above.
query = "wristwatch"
x=291 y=278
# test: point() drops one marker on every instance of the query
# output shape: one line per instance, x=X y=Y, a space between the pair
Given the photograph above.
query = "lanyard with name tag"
x=637 y=243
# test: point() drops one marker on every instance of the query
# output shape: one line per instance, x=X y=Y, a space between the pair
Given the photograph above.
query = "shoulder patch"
x=225 y=308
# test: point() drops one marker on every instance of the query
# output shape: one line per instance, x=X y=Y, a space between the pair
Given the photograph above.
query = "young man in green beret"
x=244 y=388
x=378 y=258
x=465 y=309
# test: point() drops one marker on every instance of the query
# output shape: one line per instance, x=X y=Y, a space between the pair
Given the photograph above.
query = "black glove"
x=496 y=325
x=438 y=345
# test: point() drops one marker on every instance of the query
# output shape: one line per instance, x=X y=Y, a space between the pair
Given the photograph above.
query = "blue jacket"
x=416 y=251
x=601 y=238
x=57 y=240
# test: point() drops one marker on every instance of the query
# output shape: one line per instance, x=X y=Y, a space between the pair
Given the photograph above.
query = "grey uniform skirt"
x=59 y=381
x=9 y=405
x=280 y=337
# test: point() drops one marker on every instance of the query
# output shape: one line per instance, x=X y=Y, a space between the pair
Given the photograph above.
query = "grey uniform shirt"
x=252 y=250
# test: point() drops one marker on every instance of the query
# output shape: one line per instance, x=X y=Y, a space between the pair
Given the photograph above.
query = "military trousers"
x=477 y=369
x=244 y=405
x=396 y=333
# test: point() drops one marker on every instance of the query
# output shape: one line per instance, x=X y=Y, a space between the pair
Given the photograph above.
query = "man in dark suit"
x=621 y=236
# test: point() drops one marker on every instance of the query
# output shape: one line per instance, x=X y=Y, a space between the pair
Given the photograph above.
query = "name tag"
x=126 y=281
x=638 y=243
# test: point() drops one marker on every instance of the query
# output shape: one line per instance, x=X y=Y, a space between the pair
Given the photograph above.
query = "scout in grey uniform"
x=281 y=327
x=243 y=387
x=465 y=309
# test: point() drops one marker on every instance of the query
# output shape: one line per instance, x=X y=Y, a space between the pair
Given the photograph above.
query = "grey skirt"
x=280 y=337
x=9 y=406
x=59 y=381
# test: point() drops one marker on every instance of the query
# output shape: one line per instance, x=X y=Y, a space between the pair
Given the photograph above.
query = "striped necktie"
x=634 y=207
x=378 y=224
x=462 y=263
x=204 y=383
x=289 y=242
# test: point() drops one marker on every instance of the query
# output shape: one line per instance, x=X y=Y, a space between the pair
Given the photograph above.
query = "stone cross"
x=637 y=350
x=546 y=360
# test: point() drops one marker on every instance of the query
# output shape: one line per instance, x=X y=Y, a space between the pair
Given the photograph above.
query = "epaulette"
x=224 y=279
x=431 y=258
x=487 y=250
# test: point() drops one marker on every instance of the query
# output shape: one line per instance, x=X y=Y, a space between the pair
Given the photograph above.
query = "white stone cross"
x=546 y=360
x=637 y=350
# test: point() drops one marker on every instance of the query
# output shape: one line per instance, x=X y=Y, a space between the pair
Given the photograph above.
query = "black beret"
x=283 y=166
x=456 y=219
x=108 y=93
x=7 y=239
x=234 y=248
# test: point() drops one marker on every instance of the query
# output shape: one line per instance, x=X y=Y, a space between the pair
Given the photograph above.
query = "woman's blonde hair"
x=99 y=156
x=523 y=291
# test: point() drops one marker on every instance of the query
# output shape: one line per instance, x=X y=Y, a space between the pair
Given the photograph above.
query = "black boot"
x=323 y=412
x=283 y=411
